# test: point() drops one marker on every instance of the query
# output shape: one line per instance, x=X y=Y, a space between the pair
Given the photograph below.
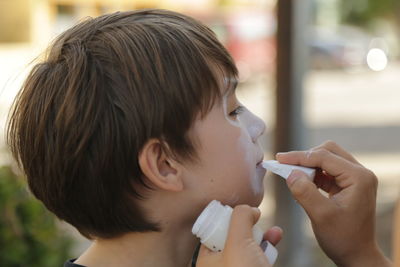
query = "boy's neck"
x=172 y=248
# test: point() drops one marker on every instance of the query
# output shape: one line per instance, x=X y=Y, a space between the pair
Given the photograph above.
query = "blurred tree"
x=362 y=12
x=29 y=235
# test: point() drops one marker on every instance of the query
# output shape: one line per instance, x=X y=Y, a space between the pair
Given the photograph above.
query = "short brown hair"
x=106 y=86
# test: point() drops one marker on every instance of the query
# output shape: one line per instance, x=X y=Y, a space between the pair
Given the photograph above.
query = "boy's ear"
x=159 y=168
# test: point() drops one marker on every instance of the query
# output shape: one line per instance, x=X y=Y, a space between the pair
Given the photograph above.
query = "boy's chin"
x=257 y=201
x=253 y=201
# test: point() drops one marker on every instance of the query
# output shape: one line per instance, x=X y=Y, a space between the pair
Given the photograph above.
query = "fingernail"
x=294 y=176
x=280 y=153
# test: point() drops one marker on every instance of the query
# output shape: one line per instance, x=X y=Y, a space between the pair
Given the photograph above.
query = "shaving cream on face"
x=251 y=128
x=212 y=228
x=284 y=170
x=254 y=127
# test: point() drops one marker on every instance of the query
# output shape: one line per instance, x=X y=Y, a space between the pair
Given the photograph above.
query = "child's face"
x=229 y=153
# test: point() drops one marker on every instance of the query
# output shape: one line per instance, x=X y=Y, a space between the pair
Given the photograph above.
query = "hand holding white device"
x=212 y=228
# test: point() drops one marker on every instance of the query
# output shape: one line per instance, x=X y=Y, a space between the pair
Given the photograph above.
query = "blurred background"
x=344 y=67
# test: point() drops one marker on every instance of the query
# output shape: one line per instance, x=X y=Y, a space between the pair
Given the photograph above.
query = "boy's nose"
x=259 y=129
x=254 y=125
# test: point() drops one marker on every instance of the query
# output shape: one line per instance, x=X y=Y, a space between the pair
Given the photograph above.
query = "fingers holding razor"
x=335 y=169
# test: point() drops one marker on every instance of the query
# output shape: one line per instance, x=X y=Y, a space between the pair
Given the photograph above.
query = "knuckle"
x=367 y=178
x=330 y=144
x=371 y=178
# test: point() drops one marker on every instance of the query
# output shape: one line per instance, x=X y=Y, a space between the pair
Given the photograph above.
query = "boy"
x=129 y=128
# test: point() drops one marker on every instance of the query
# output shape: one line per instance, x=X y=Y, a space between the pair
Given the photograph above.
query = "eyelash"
x=236 y=111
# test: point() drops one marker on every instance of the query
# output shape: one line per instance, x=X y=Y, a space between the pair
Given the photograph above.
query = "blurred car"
x=345 y=47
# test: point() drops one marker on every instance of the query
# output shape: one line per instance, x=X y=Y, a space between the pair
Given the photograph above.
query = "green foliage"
x=361 y=12
x=29 y=235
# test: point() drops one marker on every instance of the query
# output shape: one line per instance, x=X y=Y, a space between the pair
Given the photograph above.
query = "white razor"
x=284 y=170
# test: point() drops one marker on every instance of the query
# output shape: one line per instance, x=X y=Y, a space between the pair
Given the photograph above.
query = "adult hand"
x=240 y=250
x=343 y=222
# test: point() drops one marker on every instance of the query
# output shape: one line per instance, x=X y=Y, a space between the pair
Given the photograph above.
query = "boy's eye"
x=236 y=111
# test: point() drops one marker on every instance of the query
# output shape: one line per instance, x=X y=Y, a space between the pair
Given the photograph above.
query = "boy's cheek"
x=240 y=186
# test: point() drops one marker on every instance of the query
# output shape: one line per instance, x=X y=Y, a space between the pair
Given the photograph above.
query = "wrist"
x=368 y=258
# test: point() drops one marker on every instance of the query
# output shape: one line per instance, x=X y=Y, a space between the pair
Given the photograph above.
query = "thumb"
x=241 y=226
x=207 y=257
x=307 y=194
